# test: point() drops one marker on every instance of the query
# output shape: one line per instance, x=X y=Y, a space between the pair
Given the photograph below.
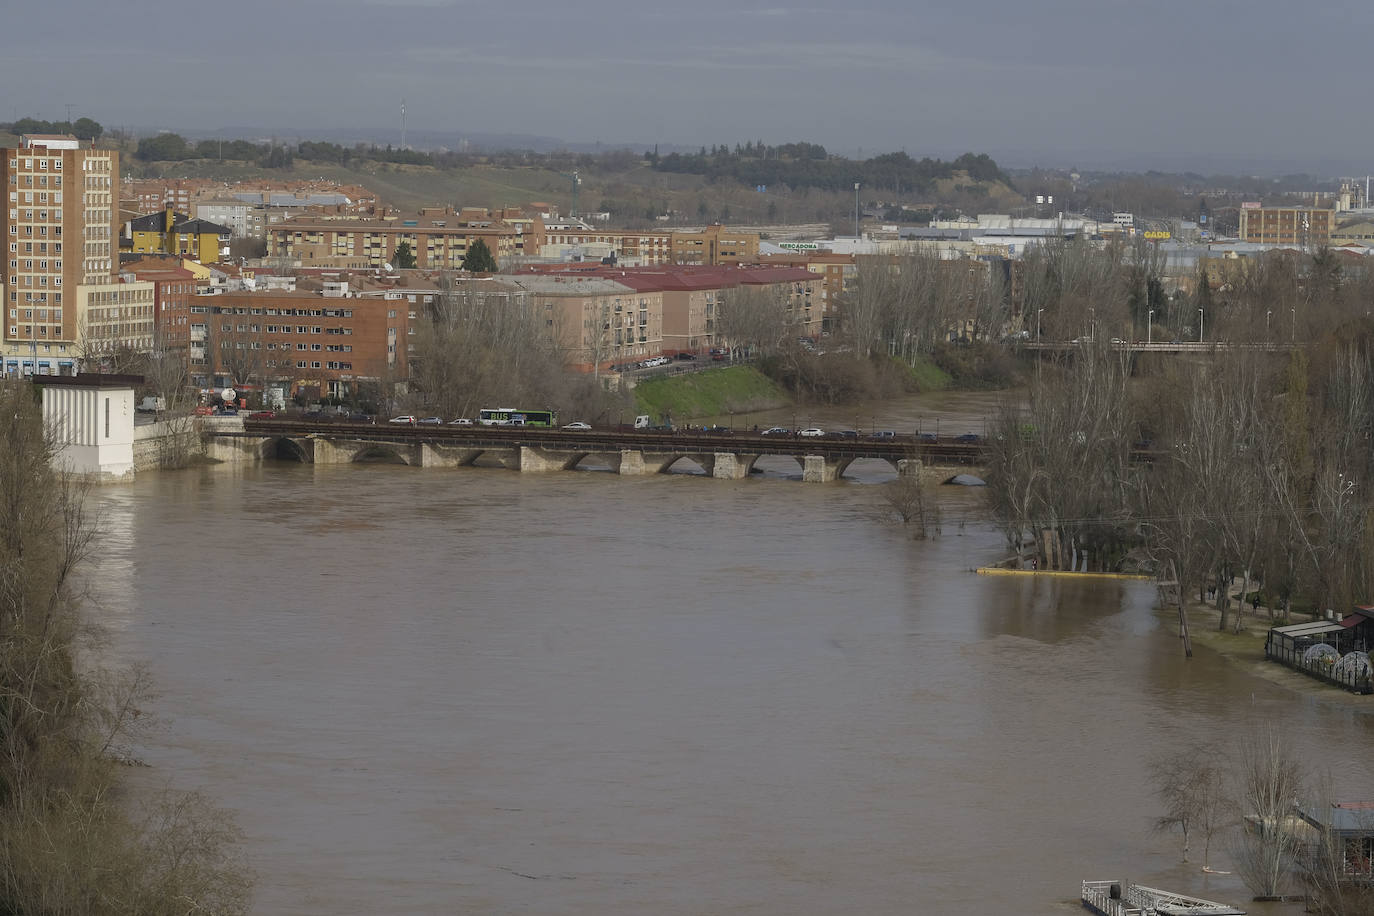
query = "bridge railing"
x=614 y=440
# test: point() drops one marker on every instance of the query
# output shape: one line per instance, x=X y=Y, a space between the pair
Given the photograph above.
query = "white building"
x=92 y=418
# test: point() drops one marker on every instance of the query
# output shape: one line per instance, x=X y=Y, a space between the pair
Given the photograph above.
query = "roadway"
x=604 y=440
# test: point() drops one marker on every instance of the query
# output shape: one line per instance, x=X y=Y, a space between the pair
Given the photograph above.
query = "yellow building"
x=169 y=232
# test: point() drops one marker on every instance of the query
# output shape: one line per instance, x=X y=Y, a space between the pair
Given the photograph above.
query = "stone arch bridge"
x=723 y=456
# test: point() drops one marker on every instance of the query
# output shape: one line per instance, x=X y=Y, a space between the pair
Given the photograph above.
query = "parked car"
x=406 y=419
x=577 y=424
x=461 y=421
x=927 y=437
x=777 y=431
x=968 y=439
x=431 y=421
x=812 y=432
x=844 y=434
x=262 y=415
x=359 y=418
x=883 y=434
x=687 y=356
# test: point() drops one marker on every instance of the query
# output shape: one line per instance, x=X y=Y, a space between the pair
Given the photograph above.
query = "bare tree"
x=166 y=371
x=234 y=346
x=1269 y=786
x=492 y=344
x=1060 y=472
x=756 y=316
x=68 y=844
x=1192 y=785
x=911 y=501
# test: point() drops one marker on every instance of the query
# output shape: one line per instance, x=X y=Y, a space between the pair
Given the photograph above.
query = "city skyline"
x=1068 y=84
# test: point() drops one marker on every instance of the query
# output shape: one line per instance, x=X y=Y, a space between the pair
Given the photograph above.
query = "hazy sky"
x=1055 y=82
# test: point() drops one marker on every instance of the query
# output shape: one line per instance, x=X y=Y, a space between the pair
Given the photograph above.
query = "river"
x=472 y=690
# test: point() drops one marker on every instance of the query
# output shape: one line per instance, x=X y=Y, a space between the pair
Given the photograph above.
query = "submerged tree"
x=1192 y=786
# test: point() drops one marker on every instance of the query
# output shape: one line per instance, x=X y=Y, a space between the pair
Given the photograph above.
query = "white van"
x=642 y=421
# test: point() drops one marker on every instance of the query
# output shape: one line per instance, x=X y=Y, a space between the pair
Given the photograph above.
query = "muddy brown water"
x=432 y=691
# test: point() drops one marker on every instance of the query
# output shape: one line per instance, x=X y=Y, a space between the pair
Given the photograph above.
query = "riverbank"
x=747 y=389
x=715 y=392
x=1246 y=651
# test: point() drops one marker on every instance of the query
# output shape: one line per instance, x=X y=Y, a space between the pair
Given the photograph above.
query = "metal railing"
x=1105 y=897
x=1121 y=898
x=1286 y=653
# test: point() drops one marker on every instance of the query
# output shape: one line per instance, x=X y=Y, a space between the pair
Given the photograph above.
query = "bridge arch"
x=288 y=449
x=379 y=453
x=596 y=462
x=876 y=470
x=697 y=465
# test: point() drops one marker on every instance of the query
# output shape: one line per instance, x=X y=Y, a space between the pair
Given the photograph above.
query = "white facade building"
x=92 y=417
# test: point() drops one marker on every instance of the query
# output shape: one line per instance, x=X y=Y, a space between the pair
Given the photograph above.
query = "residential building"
x=837 y=271
x=149 y=194
x=632 y=249
x=243 y=219
x=169 y=232
x=715 y=245
x=438 y=238
x=174 y=291
x=59 y=193
x=1291 y=226
x=598 y=322
x=327 y=341
x=115 y=316
x=690 y=299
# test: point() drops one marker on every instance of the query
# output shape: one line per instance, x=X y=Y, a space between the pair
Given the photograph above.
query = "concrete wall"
x=166 y=444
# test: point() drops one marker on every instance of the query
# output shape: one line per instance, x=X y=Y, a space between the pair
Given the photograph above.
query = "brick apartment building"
x=174 y=291
x=689 y=299
x=303 y=340
x=597 y=321
x=710 y=246
x=60 y=232
x=439 y=238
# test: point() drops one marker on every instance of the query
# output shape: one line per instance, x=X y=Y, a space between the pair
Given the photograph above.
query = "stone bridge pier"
x=231 y=449
x=731 y=465
x=820 y=469
x=433 y=455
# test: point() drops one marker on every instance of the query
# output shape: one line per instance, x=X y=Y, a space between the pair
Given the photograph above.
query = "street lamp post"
x=1149 y=327
x=1037 y=324
x=1266 y=323
x=1199 y=325
x=1293 y=328
x=856 y=211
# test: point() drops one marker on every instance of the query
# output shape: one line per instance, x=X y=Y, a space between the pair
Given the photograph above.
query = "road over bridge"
x=1156 y=346
x=529 y=449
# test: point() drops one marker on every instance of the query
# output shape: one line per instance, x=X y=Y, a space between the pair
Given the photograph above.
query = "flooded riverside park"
x=474 y=690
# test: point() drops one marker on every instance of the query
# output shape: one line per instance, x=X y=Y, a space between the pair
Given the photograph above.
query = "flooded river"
x=433 y=691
